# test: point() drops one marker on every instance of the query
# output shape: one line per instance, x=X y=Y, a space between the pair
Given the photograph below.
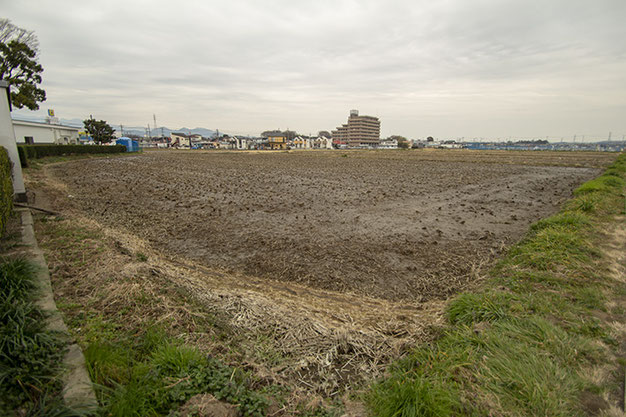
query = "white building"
x=39 y=132
x=323 y=143
x=180 y=140
x=388 y=144
x=241 y=143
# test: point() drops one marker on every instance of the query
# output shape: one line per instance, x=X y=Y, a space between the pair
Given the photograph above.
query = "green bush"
x=39 y=151
x=6 y=189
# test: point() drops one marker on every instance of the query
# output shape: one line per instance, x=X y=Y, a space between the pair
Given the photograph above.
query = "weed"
x=107 y=364
x=472 y=308
x=153 y=374
x=586 y=203
x=419 y=397
x=141 y=257
x=172 y=359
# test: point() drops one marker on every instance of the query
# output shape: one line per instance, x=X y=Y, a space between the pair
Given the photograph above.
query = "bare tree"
x=9 y=32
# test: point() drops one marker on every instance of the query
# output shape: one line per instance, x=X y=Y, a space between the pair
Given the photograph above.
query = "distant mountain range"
x=130 y=130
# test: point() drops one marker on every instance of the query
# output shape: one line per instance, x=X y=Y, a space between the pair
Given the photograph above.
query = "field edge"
x=543 y=336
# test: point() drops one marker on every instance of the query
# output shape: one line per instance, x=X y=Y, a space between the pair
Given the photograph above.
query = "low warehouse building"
x=40 y=132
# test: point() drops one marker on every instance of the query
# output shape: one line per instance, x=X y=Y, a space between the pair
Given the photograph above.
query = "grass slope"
x=528 y=341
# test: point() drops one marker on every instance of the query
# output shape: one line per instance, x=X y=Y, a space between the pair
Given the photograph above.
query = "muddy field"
x=393 y=225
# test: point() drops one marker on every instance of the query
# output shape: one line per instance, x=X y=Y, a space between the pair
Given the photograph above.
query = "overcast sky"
x=450 y=69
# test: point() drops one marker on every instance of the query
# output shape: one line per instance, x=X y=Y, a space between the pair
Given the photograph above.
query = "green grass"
x=519 y=345
x=571 y=219
x=604 y=184
x=30 y=356
x=552 y=248
x=472 y=308
x=153 y=374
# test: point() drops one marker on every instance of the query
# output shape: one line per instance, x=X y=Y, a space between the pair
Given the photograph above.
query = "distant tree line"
x=291 y=134
x=532 y=142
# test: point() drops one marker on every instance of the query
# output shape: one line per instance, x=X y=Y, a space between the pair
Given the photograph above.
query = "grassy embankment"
x=542 y=337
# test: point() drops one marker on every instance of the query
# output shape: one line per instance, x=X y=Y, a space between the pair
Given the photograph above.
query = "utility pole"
x=610 y=136
x=149 y=133
x=154 y=117
x=121 y=129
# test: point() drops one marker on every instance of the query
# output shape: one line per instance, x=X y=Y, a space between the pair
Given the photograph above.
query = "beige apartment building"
x=360 y=131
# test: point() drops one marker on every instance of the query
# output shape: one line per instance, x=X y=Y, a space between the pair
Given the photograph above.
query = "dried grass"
x=328 y=341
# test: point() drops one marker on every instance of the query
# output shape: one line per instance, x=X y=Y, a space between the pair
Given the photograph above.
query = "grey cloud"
x=247 y=65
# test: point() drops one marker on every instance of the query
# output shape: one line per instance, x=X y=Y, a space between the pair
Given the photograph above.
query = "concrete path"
x=78 y=392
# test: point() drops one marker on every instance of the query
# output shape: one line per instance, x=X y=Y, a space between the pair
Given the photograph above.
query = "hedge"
x=6 y=189
x=27 y=152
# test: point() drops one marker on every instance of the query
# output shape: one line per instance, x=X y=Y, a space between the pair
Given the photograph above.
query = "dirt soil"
x=412 y=225
x=324 y=266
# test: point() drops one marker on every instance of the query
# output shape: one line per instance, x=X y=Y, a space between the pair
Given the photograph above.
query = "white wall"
x=44 y=133
x=7 y=139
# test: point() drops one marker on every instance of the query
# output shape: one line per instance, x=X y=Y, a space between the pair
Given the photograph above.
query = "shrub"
x=40 y=151
x=6 y=189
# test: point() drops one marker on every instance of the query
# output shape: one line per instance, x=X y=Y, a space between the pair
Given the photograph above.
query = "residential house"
x=276 y=141
x=180 y=140
x=388 y=143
